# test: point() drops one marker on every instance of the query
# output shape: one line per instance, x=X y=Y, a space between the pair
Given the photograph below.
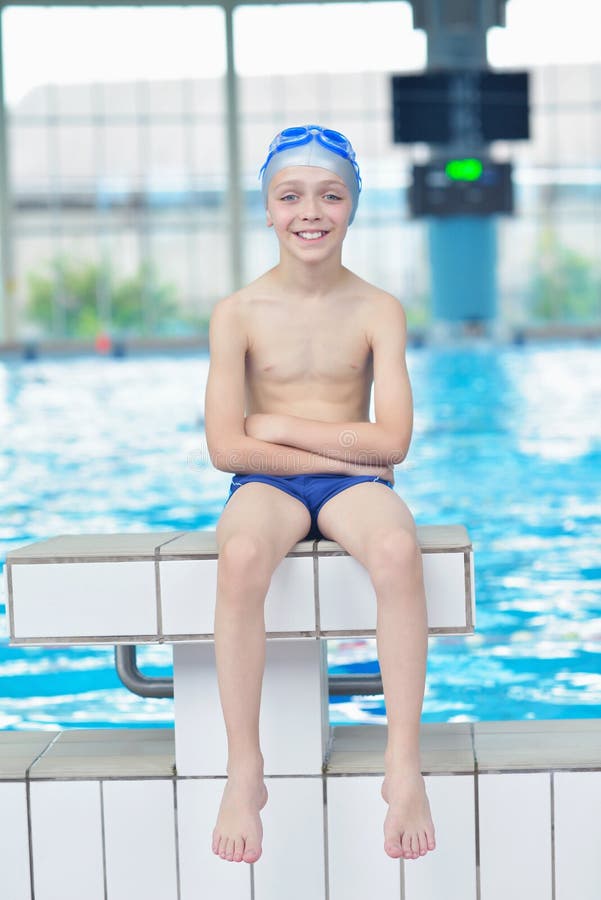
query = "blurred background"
x=130 y=143
x=132 y=146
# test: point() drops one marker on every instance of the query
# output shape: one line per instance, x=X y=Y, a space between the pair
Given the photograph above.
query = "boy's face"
x=308 y=207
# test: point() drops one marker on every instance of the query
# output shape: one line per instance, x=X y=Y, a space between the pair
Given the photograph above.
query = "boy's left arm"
x=385 y=441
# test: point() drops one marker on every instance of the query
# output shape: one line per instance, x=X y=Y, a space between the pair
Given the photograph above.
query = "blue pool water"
x=507 y=440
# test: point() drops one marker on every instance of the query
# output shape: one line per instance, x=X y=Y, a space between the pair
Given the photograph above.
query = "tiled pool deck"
x=103 y=814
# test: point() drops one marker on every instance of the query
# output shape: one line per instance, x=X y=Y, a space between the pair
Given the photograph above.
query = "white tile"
x=472 y=597
x=139 y=834
x=522 y=747
x=444 y=580
x=358 y=865
x=443 y=537
x=191 y=543
x=292 y=863
x=524 y=837
x=577 y=835
x=347 y=599
x=359 y=749
x=18 y=751
x=293 y=696
x=66 y=828
x=453 y=862
x=83 y=546
x=14 y=841
x=200 y=737
x=84 y=599
x=108 y=753
x=290 y=601
x=202 y=874
x=188 y=595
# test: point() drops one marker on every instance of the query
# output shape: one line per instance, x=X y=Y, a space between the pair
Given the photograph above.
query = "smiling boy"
x=292 y=360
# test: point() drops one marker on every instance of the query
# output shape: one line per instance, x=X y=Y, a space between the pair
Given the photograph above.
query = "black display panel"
x=452 y=105
x=434 y=192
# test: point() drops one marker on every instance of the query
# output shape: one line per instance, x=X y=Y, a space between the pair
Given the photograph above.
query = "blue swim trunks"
x=312 y=490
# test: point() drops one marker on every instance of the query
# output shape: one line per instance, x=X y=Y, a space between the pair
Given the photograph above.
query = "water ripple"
x=507 y=440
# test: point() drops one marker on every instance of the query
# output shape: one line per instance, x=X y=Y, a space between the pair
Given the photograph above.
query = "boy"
x=298 y=350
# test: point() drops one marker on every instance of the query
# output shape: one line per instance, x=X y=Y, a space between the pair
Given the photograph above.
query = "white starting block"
x=106 y=813
x=161 y=588
x=116 y=814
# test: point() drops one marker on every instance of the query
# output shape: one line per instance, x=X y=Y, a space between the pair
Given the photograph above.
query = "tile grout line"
x=476 y=812
x=402 y=878
x=552 y=799
x=157 y=595
x=157 y=583
x=326 y=847
x=29 y=837
x=170 y=540
x=9 y=603
x=103 y=839
x=176 y=829
x=316 y=589
x=467 y=590
x=41 y=754
x=28 y=802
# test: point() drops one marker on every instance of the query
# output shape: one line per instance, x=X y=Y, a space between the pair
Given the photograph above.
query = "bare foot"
x=408 y=827
x=238 y=833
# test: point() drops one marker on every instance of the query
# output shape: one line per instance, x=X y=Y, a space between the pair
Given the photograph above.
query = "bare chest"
x=311 y=363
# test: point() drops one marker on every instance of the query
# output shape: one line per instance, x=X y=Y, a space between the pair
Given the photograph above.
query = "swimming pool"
x=507 y=440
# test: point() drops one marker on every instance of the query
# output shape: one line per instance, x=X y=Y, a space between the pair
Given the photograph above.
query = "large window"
x=120 y=165
x=117 y=165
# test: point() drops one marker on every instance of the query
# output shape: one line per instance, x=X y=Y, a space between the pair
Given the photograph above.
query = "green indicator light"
x=464 y=169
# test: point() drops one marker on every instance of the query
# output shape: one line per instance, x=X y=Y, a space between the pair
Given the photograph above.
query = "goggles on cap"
x=303 y=134
x=312 y=145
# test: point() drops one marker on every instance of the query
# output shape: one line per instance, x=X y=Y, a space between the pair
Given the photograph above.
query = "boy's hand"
x=271 y=427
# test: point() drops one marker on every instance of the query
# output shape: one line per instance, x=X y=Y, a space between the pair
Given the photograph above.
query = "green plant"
x=566 y=285
x=80 y=299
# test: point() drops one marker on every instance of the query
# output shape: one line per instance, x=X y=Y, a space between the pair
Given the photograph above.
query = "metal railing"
x=150 y=686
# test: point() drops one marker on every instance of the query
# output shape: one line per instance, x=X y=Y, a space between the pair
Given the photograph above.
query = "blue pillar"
x=463 y=262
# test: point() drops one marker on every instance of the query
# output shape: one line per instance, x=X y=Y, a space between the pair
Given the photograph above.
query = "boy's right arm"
x=230 y=448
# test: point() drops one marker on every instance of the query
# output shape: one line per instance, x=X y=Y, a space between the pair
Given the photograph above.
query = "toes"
x=393 y=849
x=216 y=843
x=423 y=843
x=223 y=848
x=392 y=844
x=406 y=845
x=414 y=846
x=239 y=849
x=251 y=854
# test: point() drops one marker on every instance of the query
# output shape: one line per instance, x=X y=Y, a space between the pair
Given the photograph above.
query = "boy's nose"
x=310 y=210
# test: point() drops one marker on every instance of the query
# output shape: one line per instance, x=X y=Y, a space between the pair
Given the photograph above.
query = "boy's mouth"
x=311 y=235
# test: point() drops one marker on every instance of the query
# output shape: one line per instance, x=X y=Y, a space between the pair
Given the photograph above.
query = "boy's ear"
x=268 y=219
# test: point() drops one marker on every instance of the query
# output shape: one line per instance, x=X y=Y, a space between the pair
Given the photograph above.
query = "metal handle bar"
x=150 y=686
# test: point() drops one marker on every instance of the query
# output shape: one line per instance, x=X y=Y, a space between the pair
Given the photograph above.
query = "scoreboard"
x=464 y=186
x=460 y=106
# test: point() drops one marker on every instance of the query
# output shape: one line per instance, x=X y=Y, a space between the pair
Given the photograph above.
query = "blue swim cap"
x=312 y=145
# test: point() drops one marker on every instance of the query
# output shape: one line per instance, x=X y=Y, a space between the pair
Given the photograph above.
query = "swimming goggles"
x=303 y=134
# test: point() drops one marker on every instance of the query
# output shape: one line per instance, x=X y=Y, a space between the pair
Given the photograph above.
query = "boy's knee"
x=393 y=552
x=244 y=555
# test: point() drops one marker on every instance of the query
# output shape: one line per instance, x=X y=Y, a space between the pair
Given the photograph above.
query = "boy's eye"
x=289 y=197
x=333 y=197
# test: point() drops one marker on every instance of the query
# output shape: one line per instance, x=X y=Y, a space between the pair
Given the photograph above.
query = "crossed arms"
x=290 y=445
